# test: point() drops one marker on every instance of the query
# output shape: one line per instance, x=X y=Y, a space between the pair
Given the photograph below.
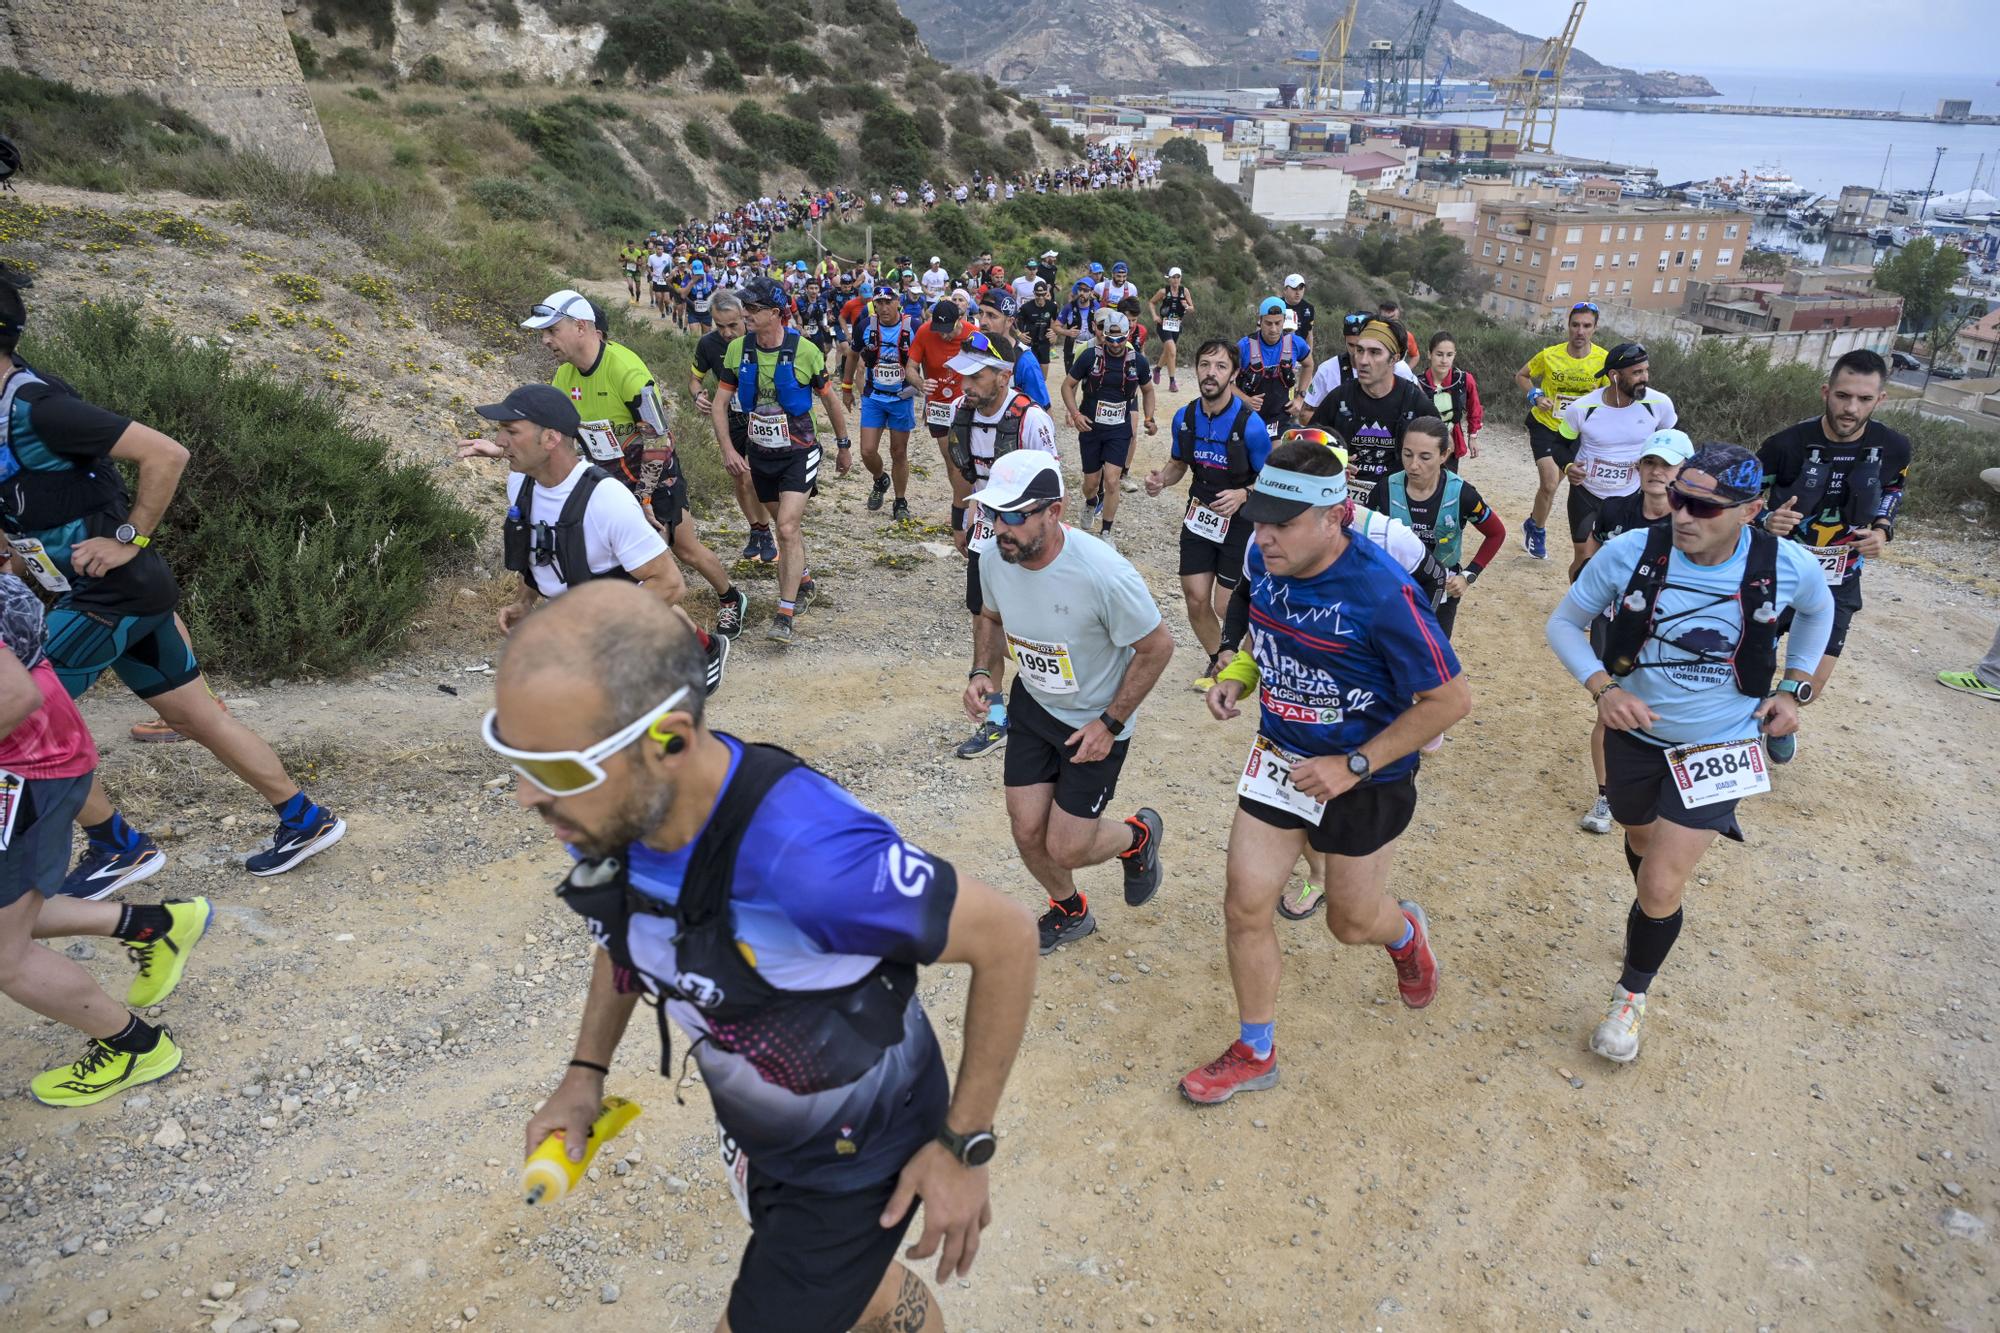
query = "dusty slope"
x=366 y=1036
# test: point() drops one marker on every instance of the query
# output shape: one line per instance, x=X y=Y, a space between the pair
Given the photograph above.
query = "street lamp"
x=1924 y=207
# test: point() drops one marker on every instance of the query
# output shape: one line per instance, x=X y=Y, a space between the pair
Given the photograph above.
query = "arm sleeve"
x=1475 y=413
x=1597 y=587
x=1236 y=617
x=1474 y=510
x=1895 y=472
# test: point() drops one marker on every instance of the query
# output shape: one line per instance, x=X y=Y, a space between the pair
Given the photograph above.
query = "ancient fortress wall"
x=228 y=62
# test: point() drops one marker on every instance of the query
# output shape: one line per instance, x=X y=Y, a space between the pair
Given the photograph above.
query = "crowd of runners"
x=1329 y=538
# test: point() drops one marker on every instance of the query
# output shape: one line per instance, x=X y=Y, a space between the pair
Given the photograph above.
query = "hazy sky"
x=1690 y=35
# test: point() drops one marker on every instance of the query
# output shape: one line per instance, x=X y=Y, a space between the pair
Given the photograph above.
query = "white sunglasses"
x=571 y=772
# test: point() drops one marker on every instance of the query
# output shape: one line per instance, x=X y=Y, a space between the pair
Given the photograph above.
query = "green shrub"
x=723 y=75
x=302 y=47
x=796 y=143
x=700 y=140
x=742 y=179
x=129 y=141
x=422 y=110
x=795 y=61
x=431 y=69
x=365 y=94
x=299 y=545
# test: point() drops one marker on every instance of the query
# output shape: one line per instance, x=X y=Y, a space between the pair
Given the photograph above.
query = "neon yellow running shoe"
x=104 y=1072
x=162 y=959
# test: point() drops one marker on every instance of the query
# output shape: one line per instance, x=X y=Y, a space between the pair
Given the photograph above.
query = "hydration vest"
x=1756 y=657
x=1455 y=387
x=792 y=396
x=873 y=344
x=567 y=553
x=1864 y=487
x=1449 y=531
x=1263 y=376
x=1173 y=304
x=802 y=1041
x=1237 y=473
x=1006 y=434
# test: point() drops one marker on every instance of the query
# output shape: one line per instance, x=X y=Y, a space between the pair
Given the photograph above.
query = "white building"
x=1306 y=193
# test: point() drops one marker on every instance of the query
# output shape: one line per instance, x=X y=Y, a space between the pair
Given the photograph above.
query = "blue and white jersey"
x=1344 y=653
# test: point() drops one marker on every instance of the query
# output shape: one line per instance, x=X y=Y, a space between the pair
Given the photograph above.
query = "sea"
x=1822 y=155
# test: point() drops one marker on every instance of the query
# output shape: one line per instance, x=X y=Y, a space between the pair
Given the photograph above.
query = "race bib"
x=1724 y=771
x=769 y=431
x=601 y=442
x=1836 y=562
x=1361 y=488
x=1205 y=522
x=631 y=268
x=982 y=531
x=1267 y=779
x=1170 y=326
x=701 y=306
x=735 y=1170
x=939 y=412
x=1045 y=665
x=1603 y=472
x=889 y=376
x=40 y=566
x=1111 y=411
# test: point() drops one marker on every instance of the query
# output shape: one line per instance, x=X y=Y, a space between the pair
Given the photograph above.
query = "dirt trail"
x=1813 y=1121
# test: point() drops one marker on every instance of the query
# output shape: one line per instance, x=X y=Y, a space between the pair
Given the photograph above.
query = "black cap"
x=544 y=404
x=1625 y=356
x=946 y=315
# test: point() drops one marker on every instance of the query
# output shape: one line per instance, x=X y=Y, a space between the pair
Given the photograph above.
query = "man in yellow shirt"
x=1554 y=378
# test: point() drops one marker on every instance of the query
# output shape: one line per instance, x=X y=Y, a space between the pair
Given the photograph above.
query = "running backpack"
x=1755 y=660
x=560 y=545
x=1858 y=508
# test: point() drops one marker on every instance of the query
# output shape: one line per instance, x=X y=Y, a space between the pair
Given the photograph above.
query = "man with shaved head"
x=781 y=924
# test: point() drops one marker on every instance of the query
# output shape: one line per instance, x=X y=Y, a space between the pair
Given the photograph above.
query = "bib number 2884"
x=1725 y=771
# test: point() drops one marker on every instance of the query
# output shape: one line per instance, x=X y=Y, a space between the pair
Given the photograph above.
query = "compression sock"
x=786 y=608
x=1602 y=790
x=297 y=812
x=114 y=832
x=1258 y=1036
x=1648 y=940
x=996 y=709
x=142 y=923
x=1409 y=934
x=135 y=1038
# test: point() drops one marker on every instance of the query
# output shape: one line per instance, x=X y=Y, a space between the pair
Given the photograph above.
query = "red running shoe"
x=1416 y=965
x=1236 y=1070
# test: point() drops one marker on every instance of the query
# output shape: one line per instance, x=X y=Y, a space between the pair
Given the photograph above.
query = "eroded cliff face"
x=469 y=36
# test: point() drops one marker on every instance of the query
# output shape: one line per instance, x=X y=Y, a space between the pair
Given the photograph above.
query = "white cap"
x=1670 y=446
x=1173 y=273
x=1296 y=280
x=1021 y=478
x=935 y=260
x=971 y=360
x=1292 y=321
x=1116 y=325
x=565 y=304
x=1049 y=254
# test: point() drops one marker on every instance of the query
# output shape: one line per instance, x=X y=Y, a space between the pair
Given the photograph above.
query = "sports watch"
x=1802 y=690
x=1358 y=765
x=131 y=536
x=974 y=1149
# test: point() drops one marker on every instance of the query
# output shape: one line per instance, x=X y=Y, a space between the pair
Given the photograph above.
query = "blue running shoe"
x=102 y=870
x=1782 y=749
x=1536 y=538
x=769 y=541
x=294 y=844
x=753 y=548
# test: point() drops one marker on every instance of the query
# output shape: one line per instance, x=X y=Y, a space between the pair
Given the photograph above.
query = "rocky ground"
x=1807 y=1143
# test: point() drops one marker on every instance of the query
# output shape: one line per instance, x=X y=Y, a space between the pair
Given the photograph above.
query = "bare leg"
x=1109 y=489
x=1358 y=908
x=791 y=544
x=1028 y=813
x=695 y=554
x=1198 y=591
x=899 y=462
x=1260 y=861
x=38 y=978
x=1549 y=477
x=902 y=1304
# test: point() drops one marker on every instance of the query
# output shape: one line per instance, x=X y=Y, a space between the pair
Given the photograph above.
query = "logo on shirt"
x=697 y=990
x=909 y=871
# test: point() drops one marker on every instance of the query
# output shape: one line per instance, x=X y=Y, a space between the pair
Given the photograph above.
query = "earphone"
x=671 y=742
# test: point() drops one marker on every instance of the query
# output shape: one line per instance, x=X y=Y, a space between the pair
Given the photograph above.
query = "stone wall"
x=228 y=62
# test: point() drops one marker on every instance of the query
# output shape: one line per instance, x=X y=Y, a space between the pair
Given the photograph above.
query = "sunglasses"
x=1591 y=306
x=571 y=772
x=1680 y=499
x=543 y=310
x=1013 y=518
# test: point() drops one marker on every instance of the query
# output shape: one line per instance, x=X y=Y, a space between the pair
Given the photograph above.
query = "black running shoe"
x=881 y=489
x=1059 y=927
x=1142 y=864
x=718 y=658
x=900 y=511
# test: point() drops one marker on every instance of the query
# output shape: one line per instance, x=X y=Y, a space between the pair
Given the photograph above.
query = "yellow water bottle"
x=549 y=1174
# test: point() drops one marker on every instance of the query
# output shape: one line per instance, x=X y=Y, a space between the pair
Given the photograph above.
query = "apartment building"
x=1805 y=300
x=1537 y=260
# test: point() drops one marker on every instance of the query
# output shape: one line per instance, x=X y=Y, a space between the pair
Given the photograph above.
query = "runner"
x=1554 y=378
x=936 y=281
x=1301 y=310
x=1371 y=412
x=1455 y=394
x=994 y=418
x=658 y=266
x=1223 y=444
x=760 y=546
x=1355 y=676
x=90 y=546
x=931 y=351
x=744 y=892
x=1090 y=645
x=1836 y=483
x=1439 y=506
x=1108 y=377
x=1034 y=320
x=631 y=259
x=1273 y=363
x=773 y=373
x=1338 y=370
x=1073 y=321
x=1390 y=311
x=1659 y=461
x=885 y=342
x=1171 y=306
x=699 y=294
x=1610 y=425
x=996 y=321
x=814 y=313
x=1114 y=290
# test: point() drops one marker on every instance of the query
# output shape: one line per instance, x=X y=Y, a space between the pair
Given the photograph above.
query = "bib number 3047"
x=1724 y=771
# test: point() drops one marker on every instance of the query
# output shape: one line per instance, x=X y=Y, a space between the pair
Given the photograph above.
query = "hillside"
x=1094 y=43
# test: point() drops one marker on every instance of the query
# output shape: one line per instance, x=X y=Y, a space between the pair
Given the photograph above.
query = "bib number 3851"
x=1724 y=771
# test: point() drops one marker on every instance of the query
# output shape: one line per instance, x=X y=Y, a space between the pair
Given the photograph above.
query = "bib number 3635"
x=1267 y=779
x=1724 y=771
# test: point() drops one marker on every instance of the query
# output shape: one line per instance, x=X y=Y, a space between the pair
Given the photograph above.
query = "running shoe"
x=1302 y=905
x=768 y=542
x=1416 y=965
x=780 y=630
x=1173 y=385
x=753 y=548
x=1059 y=927
x=900 y=511
x=163 y=958
x=1142 y=863
x=104 y=1072
x=1597 y=819
x=878 y=492
x=1969 y=682
x=1782 y=749
x=729 y=613
x=986 y=738
x=293 y=844
x=806 y=590
x=718 y=658
x=1617 y=1037
x=1236 y=1070
x=1536 y=538
x=1104 y=535
x=101 y=871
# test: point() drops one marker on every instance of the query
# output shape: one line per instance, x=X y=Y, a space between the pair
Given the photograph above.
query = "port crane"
x=1434 y=100
x=1531 y=96
x=1327 y=67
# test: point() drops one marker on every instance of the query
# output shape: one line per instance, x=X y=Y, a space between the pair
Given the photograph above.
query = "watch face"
x=125 y=533
x=979 y=1149
x=1357 y=764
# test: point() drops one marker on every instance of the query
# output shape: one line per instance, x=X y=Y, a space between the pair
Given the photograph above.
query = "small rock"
x=1962 y=1224
x=153 y=1217
x=284 y=1325
x=97 y=1318
x=1938 y=1085
x=1953 y=1188
x=675 y=1185
x=221 y=1291
x=170 y=1135
x=1596 y=1259
x=608 y=1294
x=83 y=951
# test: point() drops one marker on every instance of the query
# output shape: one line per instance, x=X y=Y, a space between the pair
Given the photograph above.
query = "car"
x=1947 y=373
x=1904 y=361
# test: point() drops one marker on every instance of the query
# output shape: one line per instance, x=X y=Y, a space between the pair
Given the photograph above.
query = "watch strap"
x=1112 y=724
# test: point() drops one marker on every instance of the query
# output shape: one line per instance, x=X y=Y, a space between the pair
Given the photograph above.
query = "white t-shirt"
x=1111 y=293
x=1038 y=431
x=1397 y=538
x=615 y=530
x=1024 y=287
x=935 y=281
x=1326 y=378
x=657 y=265
x=1611 y=438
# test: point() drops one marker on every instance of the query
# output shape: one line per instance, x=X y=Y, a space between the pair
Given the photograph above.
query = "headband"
x=1376 y=331
x=1316 y=492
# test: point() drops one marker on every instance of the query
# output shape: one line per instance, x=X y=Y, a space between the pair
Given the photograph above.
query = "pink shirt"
x=52 y=741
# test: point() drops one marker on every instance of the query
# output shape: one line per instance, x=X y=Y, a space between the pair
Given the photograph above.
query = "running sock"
x=1633 y=860
x=135 y=1038
x=1648 y=940
x=1257 y=1036
x=1139 y=836
x=1074 y=905
x=1602 y=791
x=143 y=923
x=726 y=594
x=996 y=709
x=299 y=812
x=1409 y=934
x=1105 y=526
x=701 y=637
x=114 y=832
x=786 y=608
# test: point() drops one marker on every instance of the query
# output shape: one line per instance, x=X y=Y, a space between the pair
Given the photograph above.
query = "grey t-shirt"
x=1071 y=625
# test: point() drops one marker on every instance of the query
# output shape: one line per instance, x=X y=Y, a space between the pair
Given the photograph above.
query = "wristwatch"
x=1358 y=765
x=974 y=1149
x=1470 y=574
x=131 y=536
x=1802 y=690
x=1111 y=724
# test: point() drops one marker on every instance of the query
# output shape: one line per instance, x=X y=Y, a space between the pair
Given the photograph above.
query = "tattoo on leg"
x=910 y=1314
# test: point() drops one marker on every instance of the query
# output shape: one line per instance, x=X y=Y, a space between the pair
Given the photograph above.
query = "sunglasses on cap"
x=572 y=772
x=1013 y=518
x=1591 y=306
x=543 y=310
x=1697 y=507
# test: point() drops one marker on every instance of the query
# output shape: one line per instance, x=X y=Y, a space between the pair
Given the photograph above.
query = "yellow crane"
x=1532 y=94
x=1329 y=60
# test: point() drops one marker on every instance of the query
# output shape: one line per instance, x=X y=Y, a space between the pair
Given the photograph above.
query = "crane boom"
x=1532 y=95
x=1328 y=66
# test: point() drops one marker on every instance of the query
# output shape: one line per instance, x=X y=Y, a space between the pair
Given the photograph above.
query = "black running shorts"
x=1547 y=442
x=814 y=1258
x=1846 y=601
x=1037 y=753
x=1359 y=822
x=1223 y=559
x=776 y=471
x=1641 y=789
x=1583 y=510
